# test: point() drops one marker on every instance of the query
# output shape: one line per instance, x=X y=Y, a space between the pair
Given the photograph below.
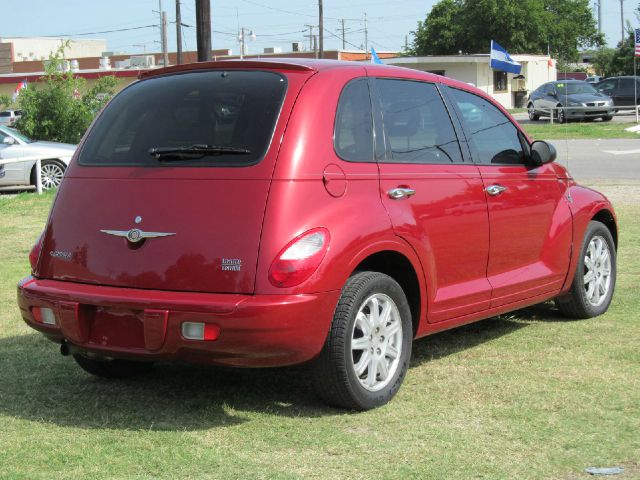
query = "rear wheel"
x=533 y=116
x=595 y=278
x=112 y=368
x=367 y=351
x=51 y=173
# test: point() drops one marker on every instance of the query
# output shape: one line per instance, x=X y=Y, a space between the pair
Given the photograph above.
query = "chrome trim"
x=494 y=190
x=398 y=193
x=136 y=235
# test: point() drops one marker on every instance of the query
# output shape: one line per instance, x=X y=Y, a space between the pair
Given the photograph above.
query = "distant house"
x=506 y=88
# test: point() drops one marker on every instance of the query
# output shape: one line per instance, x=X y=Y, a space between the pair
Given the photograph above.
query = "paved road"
x=608 y=159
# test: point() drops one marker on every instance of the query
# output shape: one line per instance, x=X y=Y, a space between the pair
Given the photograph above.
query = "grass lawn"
x=528 y=395
x=547 y=131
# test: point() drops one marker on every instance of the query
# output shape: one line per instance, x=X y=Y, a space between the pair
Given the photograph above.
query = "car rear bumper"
x=255 y=330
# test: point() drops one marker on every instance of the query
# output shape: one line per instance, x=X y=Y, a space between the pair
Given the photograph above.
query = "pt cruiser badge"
x=135 y=235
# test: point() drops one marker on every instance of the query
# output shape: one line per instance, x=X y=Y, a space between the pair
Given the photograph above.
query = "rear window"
x=233 y=110
x=5 y=114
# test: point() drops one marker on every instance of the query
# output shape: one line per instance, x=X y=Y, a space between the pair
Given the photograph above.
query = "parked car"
x=569 y=100
x=10 y=117
x=338 y=212
x=14 y=145
x=593 y=79
x=620 y=89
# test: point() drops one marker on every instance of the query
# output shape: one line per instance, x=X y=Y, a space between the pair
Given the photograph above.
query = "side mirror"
x=9 y=140
x=542 y=152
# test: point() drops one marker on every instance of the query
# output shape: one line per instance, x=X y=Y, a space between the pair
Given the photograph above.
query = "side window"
x=353 y=131
x=606 y=85
x=417 y=123
x=626 y=86
x=492 y=136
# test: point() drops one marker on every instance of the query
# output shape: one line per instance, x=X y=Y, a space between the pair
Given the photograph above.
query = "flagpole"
x=635 y=88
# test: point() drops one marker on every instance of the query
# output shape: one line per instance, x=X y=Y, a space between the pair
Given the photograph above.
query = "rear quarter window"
x=228 y=109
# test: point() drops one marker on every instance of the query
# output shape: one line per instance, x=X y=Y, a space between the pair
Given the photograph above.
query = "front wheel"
x=533 y=116
x=607 y=118
x=561 y=116
x=367 y=351
x=595 y=278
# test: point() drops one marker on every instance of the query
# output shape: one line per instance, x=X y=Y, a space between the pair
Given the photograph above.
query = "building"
x=506 y=88
x=39 y=48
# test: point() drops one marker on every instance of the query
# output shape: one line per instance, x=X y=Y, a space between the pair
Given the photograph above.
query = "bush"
x=53 y=108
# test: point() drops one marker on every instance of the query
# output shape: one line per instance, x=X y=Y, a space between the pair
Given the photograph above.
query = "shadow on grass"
x=38 y=384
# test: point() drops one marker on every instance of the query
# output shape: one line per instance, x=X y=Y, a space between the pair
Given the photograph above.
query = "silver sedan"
x=54 y=160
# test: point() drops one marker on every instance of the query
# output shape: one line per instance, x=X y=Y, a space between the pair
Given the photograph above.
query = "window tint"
x=234 y=109
x=549 y=89
x=492 y=136
x=607 y=85
x=626 y=86
x=5 y=114
x=353 y=136
x=417 y=123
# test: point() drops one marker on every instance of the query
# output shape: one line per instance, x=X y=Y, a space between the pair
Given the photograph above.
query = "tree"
x=53 y=109
x=521 y=26
x=5 y=101
x=602 y=61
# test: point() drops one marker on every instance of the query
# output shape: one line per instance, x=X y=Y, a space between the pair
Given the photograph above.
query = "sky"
x=275 y=23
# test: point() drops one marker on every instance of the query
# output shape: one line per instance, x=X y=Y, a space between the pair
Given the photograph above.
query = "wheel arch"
x=402 y=270
x=605 y=217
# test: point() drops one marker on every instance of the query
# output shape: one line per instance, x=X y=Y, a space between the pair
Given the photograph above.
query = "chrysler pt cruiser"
x=268 y=213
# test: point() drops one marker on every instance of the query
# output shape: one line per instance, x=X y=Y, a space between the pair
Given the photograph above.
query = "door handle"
x=494 y=190
x=400 y=192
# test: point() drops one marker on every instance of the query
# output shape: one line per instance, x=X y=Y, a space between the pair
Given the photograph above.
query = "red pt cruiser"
x=265 y=213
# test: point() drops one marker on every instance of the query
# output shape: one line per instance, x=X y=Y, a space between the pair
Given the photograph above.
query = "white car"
x=54 y=160
x=10 y=117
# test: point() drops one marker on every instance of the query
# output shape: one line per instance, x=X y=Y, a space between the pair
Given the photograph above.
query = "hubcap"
x=597 y=271
x=51 y=175
x=376 y=342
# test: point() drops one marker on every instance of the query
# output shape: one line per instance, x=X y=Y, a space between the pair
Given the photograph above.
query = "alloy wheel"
x=597 y=271
x=51 y=175
x=376 y=342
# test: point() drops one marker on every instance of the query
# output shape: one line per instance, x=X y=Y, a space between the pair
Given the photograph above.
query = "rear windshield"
x=5 y=114
x=211 y=118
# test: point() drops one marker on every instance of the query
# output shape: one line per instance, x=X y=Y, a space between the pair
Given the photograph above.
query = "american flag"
x=637 y=42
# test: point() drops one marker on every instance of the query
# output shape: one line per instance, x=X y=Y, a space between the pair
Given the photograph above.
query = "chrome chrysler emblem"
x=135 y=235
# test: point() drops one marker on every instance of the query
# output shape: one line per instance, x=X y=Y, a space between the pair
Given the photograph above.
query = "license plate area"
x=116 y=327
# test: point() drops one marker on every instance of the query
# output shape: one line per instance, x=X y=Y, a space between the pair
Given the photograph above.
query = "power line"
x=100 y=33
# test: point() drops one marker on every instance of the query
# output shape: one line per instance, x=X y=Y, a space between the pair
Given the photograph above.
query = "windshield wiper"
x=194 y=151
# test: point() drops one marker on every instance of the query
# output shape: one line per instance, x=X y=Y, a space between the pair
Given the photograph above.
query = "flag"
x=550 y=63
x=637 y=42
x=500 y=60
x=16 y=92
x=76 y=93
x=374 y=57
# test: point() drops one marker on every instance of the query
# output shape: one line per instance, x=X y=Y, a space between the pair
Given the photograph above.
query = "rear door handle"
x=494 y=190
x=398 y=193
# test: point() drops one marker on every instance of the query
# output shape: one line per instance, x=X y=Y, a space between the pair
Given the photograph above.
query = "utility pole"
x=406 y=43
x=203 y=29
x=622 y=20
x=320 y=27
x=599 y=16
x=343 y=39
x=315 y=45
x=310 y=36
x=366 y=39
x=160 y=25
x=165 y=53
x=178 y=34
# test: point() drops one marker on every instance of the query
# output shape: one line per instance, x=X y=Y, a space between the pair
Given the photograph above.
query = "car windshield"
x=211 y=118
x=15 y=133
x=574 y=88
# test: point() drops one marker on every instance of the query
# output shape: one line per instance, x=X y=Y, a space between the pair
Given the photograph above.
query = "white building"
x=39 y=48
x=474 y=69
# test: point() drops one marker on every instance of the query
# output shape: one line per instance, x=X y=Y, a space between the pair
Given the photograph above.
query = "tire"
x=112 y=368
x=590 y=297
x=607 y=118
x=561 y=116
x=533 y=116
x=342 y=373
x=51 y=173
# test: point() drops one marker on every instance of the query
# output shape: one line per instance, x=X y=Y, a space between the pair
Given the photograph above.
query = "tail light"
x=34 y=254
x=300 y=258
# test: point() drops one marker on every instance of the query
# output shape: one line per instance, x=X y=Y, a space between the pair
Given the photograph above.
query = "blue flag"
x=500 y=60
x=374 y=57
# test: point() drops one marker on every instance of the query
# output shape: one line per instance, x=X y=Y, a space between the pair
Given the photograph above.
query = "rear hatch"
x=169 y=188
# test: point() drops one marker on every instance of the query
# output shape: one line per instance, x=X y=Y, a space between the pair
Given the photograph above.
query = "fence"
x=552 y=111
